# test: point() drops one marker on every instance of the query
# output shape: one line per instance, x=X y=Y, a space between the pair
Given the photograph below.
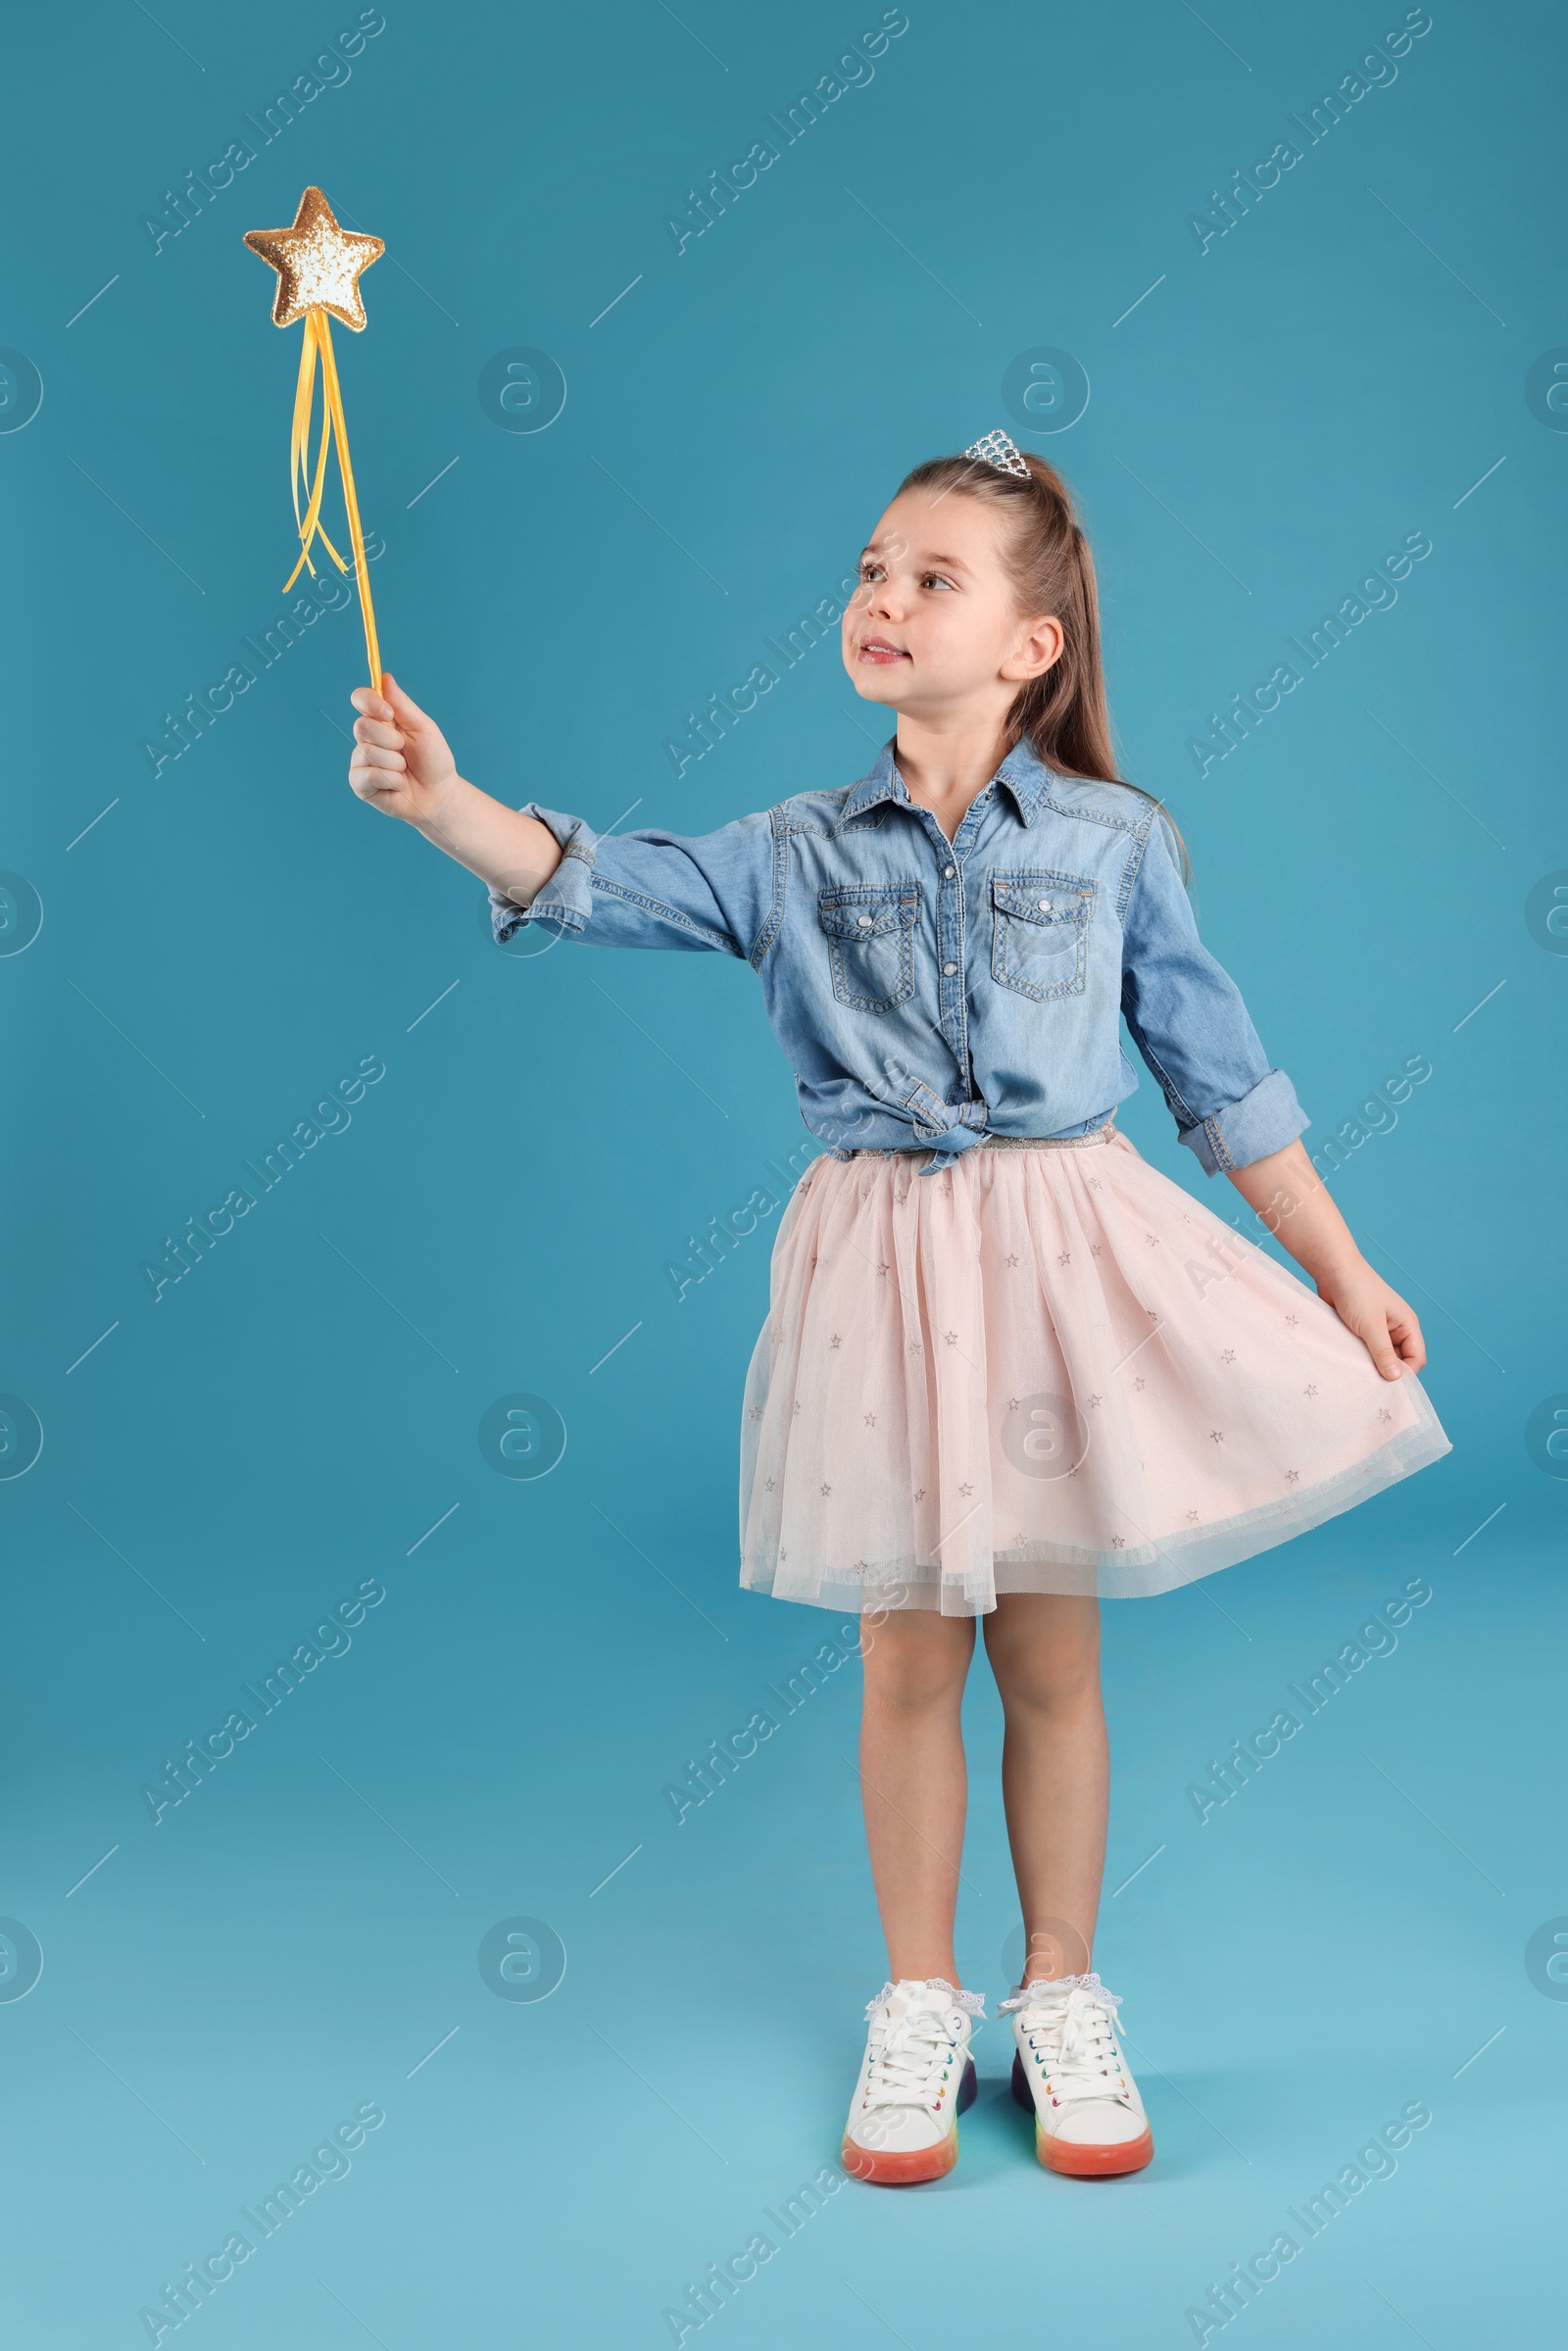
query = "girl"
x=1008 y=1369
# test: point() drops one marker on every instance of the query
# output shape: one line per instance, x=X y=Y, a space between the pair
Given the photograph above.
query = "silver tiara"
x=997 y=450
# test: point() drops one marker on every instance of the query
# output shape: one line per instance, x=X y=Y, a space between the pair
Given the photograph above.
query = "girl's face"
x=933 y=629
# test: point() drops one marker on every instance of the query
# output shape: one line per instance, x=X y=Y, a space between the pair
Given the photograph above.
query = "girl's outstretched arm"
x=402 y=765
x=719 y=892
x=1293 y=1200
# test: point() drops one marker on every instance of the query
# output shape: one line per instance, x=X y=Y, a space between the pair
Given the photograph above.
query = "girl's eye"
x=928 y=579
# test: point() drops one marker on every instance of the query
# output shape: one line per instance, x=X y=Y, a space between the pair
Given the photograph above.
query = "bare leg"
x=912 y=1781
x=1043 y=1650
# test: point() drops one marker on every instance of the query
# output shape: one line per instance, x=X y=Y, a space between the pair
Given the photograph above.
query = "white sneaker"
x=1088 y=2118
x=917 y=2079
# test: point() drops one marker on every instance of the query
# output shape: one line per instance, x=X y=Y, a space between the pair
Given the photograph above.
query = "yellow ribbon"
x=318 y=346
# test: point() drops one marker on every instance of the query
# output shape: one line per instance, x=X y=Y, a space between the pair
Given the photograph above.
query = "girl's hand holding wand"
x=402 y=765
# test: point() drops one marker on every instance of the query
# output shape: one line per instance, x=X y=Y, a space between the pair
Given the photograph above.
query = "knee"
x=1049 y=1676
x=912 y=1667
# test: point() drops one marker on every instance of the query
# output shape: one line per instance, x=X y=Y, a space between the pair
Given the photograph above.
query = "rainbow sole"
x=1075 y=2161
x=886 y=2167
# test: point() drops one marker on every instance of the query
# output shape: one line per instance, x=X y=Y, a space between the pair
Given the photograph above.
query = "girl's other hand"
x=1380 y=1318
x=401 y=762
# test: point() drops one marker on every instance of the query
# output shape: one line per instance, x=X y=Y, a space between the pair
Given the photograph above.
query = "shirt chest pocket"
x=869 y=930
x=1040 y=932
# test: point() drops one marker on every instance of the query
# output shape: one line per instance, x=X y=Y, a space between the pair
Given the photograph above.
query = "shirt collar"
x=1025 y=777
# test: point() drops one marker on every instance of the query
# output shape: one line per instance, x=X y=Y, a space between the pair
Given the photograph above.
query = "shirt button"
x=1044 y=906
x=950 y=969
x=948 y=872
x=865 y=922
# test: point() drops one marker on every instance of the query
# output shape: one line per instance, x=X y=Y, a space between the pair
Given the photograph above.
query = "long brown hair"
x=1063 y=714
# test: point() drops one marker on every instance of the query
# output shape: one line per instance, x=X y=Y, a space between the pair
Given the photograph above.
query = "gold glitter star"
x=317 y=263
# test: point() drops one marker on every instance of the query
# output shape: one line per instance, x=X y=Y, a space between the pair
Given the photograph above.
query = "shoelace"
x=1078 y=2032
x=907 y=2052
x=907 y=2055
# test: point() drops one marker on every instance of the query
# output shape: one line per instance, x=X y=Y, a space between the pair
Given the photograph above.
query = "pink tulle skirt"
x=1044 y=1369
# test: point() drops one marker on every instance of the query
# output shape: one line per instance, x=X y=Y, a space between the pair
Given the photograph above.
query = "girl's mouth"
x=881 y=652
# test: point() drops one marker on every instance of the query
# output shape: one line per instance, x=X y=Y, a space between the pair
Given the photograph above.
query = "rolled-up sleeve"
x=653 y=888
x=1186 y=1016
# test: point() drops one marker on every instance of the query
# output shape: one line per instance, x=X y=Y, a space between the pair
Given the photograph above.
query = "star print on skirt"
x=1041 y=1370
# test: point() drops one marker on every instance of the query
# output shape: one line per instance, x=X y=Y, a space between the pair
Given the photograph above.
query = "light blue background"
x=230 y=938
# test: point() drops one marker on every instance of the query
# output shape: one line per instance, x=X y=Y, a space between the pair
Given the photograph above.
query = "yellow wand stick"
x=319 y=267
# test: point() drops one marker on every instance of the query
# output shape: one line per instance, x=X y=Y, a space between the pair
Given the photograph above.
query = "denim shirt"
x=928 y=991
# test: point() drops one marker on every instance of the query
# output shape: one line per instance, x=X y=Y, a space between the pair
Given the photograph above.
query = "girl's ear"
x=1040 y=647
